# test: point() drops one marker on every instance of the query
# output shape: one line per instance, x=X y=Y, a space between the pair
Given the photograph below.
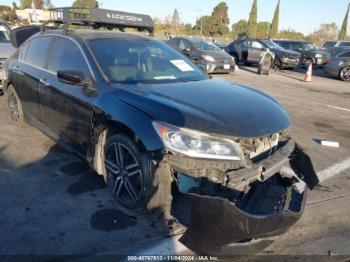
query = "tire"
x=14 y=106
x=307 y=62
x=344 y=74
x=131 y=176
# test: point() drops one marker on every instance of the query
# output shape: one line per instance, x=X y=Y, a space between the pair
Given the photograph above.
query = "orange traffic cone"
x=308 y=75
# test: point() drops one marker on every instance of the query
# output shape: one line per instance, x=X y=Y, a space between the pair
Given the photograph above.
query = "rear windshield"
x=329 y=44
x=143 y=61
x=271 y=45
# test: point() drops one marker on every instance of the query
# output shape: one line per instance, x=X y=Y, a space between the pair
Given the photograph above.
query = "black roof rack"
x=97 y=18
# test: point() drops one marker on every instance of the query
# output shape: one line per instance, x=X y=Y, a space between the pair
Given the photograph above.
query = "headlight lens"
x=208 y=58
x=197 y=144
x=318 y=55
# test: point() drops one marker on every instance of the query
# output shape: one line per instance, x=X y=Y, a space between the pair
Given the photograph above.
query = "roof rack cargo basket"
x=98 y=18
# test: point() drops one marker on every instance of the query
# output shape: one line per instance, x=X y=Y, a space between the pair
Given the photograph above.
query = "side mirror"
x=187 y=51
x=70 y=77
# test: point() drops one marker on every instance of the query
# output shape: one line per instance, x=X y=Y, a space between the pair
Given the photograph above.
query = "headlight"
x=208 y=58
x=318 y=55
x=196 y=144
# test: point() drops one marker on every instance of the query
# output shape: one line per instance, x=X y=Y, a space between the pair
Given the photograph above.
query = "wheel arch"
x=142 y=134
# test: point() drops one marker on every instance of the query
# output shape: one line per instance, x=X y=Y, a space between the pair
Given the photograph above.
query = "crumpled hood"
x=212 y=106
x=281 y=53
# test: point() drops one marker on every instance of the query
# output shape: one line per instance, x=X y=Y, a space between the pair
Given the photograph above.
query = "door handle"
x=44 y=82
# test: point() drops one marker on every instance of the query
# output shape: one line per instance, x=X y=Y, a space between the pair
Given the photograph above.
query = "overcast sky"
x=301 y=15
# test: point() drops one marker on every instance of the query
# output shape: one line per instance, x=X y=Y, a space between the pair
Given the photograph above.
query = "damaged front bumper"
x=235 y=208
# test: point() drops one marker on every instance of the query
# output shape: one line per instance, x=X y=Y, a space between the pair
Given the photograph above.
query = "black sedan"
x=145 y=117
x=249 y=50
x=206 y=54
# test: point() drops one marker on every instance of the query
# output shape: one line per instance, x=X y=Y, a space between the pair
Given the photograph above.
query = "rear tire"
x=344 y=74
x=14 y=106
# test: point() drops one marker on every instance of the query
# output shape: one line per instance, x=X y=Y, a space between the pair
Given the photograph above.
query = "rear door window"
x=36 y=51
x=66 y=55
x=257 y=45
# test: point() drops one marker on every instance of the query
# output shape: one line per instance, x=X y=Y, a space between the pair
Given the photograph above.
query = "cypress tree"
x=344 y=28
x=274 y=26
x=252 y=22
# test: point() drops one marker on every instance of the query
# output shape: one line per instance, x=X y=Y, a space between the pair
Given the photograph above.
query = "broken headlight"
x=196 y=144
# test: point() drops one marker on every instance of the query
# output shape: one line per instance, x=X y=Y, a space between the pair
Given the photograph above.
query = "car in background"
x=310 y=54
x=204 y=53
x=6 y=48
x=339 y=65
x=249 y=50
x=334 y=43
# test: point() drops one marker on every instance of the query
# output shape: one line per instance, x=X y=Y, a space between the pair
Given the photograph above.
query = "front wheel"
x=132 y=177
x=344 y=74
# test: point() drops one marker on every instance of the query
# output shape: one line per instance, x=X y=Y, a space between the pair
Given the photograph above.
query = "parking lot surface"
x=52 y=203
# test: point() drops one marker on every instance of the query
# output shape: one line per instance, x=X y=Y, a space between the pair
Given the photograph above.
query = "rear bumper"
x=252 y=203
x=321 y=61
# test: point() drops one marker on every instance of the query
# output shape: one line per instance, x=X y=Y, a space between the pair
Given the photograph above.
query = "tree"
x=252 y=22
x=219 y=20
x=85 y=3
x=325 y=32
x=290 y=34
x=14 y=6
x=239 y=29
x=39 y=4
x=262 y=30
x=275 y=21
x=7 y=13
x=203 y=24
x=344 y=28
x=175 y=21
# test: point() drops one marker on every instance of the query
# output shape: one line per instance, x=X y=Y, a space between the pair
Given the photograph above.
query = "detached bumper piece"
x=242 y=213
x=222 y=227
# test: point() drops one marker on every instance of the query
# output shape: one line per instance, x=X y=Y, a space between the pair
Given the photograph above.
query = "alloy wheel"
x=345 y=74
x=124 y=174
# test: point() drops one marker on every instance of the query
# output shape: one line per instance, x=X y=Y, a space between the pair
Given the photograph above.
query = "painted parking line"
x=328 y=172
x=339 y=108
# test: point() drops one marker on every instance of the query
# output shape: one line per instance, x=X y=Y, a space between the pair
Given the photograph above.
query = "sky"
x=302 y=15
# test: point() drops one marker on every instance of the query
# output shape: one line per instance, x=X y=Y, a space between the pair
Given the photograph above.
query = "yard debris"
x=329 y=143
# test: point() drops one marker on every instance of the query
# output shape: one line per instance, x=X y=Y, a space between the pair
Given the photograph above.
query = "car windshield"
x=309 y=46
x=205 y=46
x=143 y=61
x=271 y=45
x=329 y=44
x=4 y=34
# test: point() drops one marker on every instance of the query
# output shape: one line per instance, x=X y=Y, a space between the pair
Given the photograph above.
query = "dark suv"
x=145 y=118
x=309 y=52
x=250 y=50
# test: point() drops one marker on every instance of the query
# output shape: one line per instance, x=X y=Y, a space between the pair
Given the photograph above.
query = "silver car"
x=6 y=48
x=339 y=65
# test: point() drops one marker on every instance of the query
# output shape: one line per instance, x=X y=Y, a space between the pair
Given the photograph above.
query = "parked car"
x=339 y=65
x=204 y=53
x=6 y=48
x=334 y=43
x=143 y=115
x=222 y=46
x=249 y=50
x=309 y=52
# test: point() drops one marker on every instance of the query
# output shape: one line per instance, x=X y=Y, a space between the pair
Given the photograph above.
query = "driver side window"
x=66 y=55
x=257 y=45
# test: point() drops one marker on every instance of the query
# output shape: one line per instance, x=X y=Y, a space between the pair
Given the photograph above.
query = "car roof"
x=90 y=34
